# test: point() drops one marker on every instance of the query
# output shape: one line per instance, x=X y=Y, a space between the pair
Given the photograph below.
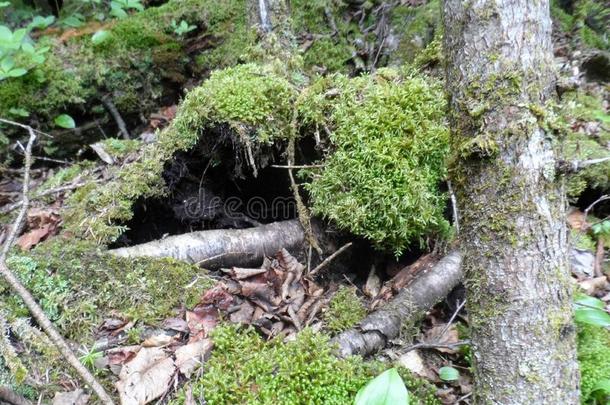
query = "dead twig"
x=436 y=346
x=27 y=297
x=116 y=115
x=8 y=208
x=297 y=166
x=329 y=259
x=456 y=221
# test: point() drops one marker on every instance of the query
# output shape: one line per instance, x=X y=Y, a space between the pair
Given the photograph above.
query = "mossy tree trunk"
x=514 y=239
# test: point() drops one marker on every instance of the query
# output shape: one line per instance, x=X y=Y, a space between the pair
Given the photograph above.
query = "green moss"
x=593 y=355
x=119 y=148
x=581 y=240
x=133 y=65
x=78 y=285
x=416 y=27
x=344 y=310
x=578 y=110
x=252 y=100
x=390 y=141
x=244 y=369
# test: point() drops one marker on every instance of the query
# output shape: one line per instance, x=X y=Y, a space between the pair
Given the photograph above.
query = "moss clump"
x=344 y=310
x=416 y=27
x=244 y=369
x=582 y=110
x=390 y=141
x=77 y=285
x=593 y=355
x=252 y=100
x=119 y=148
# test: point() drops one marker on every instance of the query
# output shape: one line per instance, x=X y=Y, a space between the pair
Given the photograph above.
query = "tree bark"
x=513 y=235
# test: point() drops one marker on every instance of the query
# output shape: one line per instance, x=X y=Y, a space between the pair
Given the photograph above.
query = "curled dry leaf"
x=189 y=356
x=146 y=377
x=76 y=397
x=436 y=335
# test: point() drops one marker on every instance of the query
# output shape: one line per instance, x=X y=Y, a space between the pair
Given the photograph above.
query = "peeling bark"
x=223 y=247
x=513 y=235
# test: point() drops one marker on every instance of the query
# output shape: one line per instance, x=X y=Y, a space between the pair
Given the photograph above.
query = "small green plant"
x=17 y=52
x=590 y=311
x=182 y=28
x=119 y=8
x=344 y=310
x=448 y=374
x=89 y=357
x=385 y=389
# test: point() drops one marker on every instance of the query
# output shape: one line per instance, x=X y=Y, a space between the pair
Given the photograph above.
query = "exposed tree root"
x=224 y=247
x=384 y=324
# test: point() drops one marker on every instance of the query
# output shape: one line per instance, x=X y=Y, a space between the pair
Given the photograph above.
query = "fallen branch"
x=8 y=208
x=116 y=115
x=576 y=165
x=27 y=297
x=7 y=395
x=223 y=247
x=414 y=300
x=329 y=259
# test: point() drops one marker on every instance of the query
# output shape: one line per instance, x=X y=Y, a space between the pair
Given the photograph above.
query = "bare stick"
x=296 y=166
x=436 y=346
x=329 y=259
x=27 y=297
x=594 y=203
x=15 y=205
x=579 y=164
x=456 y=221
x=116 y=115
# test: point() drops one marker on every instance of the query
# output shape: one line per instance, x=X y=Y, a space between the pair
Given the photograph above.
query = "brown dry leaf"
x=373 y=284
x=433 y=335
x=159 y=340
x=146 y=377
x=576 y=220
x=177 y=324
x=41 y=224
x=592 y=285
x=121 y=355
x=201 y=320
x=189 y=356
x=76 y=397
x=243 y=314
x=30 y=239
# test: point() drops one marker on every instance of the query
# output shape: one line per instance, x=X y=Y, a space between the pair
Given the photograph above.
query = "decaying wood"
x=224 y=247
x=384 y=324
x=16 y=285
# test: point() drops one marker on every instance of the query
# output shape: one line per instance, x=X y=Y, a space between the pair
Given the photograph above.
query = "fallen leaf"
x=373 y=284
x=177 y=324
x=413 y=362
x=592 y=285
x=189 y=356
x=433 y=335
x=76 y=397
x=146 y=377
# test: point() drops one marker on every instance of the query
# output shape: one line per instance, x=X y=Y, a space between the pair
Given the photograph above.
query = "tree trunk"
x=514 y=239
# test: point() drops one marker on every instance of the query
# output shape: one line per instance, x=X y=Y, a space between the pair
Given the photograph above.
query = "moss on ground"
x=244 y=369
x=135 y=63
x=389 y=143
x=593 y=355
x=416 y=27
x=78 y=285
x=345 y=310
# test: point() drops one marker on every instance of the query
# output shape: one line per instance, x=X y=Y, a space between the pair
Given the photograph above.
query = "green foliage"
x=77 y=285
x=119 y=8
x=244 y=369
x=385 y=389
x=390 y=140
x=182 y=28
x=64 y=121
x=582 y=240
x=344 y=310
x=118 y=148
x=18 y=54
x=590 y=311
x=593 y=355
x=416 y=27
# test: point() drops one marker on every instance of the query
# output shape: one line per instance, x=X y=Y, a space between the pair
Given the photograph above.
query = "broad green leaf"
x=20 y=112
x=588 y=301
x=41 y=22
x=603 y=386
x=65 y=121
x=385 y=389
x=28 y=48
x=590 y=316
x=4 y=4
x=73 y=21
x=99 y=37
x=7 y=64
x=448 y=374
x=17 y=72
x=18 y=35
x=6 y=35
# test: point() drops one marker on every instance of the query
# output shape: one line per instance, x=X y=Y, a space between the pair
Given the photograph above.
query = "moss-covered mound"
x=345 y=310
x=593 y=355
x=251 y=101
x=389 y=141
x=244 y=369
x=78 y=285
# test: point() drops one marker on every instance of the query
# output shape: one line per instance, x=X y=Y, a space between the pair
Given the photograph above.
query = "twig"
x=454 y=206
x=296 y=166
x=455 y=314
x=580 y=164
x=116 y=115
x=8 y=208
x=594 y=203
x=27 y=297
x=329 y=259
x=26 y=127
x=436 y=346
